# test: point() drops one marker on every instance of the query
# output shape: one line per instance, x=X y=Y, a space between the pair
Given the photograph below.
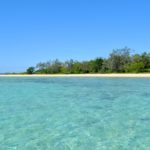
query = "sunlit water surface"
x=74 y=113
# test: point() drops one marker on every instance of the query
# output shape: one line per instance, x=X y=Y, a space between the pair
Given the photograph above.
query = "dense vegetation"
x=119 y=61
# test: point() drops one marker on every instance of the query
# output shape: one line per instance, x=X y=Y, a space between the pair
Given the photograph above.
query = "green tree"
x=30 y=70
x=56 y=66
x=68 y=66
x=118 y=59
x=135 y=67
x=145 y=58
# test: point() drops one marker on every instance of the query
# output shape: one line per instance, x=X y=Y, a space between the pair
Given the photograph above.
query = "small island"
x=120 y=61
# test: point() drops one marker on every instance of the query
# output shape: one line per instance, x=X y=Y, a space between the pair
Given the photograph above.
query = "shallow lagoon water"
x=74 y=113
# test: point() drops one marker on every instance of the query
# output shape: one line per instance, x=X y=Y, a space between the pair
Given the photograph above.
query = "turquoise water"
x=74 y=113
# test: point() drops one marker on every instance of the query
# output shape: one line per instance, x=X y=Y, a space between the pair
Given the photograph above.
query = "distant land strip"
x=138 y=75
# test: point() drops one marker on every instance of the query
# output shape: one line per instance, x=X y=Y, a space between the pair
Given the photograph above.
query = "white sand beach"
x=116 y=75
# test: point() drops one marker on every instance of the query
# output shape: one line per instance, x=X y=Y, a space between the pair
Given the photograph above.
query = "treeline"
x=119 y=61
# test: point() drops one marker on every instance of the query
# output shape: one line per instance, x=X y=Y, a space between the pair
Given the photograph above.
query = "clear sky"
x=39 y=30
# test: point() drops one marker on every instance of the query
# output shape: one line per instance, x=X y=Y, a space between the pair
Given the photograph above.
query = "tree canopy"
x=119 y=61
x=30 y=70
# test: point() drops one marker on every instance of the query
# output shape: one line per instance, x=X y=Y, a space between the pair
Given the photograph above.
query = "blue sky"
x=38 y=30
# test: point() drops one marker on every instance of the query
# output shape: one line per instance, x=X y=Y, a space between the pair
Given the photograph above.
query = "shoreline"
x=117 y=75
